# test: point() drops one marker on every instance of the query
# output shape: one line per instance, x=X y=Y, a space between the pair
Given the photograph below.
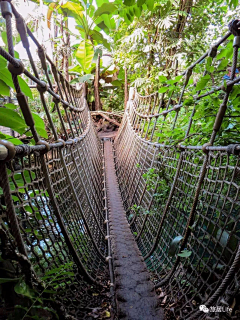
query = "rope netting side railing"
x=179 y=176
x=52 y=205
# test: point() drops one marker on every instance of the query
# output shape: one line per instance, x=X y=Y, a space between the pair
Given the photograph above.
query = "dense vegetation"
x=149 y=42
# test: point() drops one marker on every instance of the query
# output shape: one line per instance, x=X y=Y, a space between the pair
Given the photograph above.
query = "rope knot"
x=234 y=28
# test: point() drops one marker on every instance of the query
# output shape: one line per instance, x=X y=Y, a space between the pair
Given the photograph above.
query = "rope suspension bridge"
x=84 y=213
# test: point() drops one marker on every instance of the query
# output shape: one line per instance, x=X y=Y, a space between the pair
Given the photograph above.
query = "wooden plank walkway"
x=135 y=295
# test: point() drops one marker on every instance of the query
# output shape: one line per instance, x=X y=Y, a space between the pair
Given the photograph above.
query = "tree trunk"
x=96 y=86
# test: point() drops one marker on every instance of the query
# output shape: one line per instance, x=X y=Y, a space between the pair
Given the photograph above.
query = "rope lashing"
x=234 y=27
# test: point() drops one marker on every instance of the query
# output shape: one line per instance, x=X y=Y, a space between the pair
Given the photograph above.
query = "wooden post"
x=96 y=86
x=125 y=89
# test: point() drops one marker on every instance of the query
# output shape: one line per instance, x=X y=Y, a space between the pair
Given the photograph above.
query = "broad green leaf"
x=86 y=78
x=76 y=69
x=97 y=52
x=100 y=2
x=140 y=2
x=109 y=22
x=185 y=254
x=137 y=11
x=15 y=198
x=163 y=89
x=222 y=53
x=97 y=36
x=3 y=62
x=174 y=245
x=162 y=78
x=203 y=82
x=74 y=10
x=177 y=78
x=11 y=119
x=10 y=106
x=4 y=37
x=129 y=2
x=5 y=75
x=117 y=83
x=22 y=288
x=4 y=89
x=102 y=26
x=150 y=4
x=105 y=8
x=129 y=16
x=11 y=139
x=85 y=54
x=223 y=64
x=40 y=126
x=25 y=88
x=28 y=209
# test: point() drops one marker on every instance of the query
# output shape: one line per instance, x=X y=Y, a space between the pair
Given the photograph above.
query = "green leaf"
x=11 y=139
x=11 y=119
x=28 y=209
x=5 y=75
x=150 y=4
x=3 y=62
x=22 y=288
x=40 y=126
x=4 y=37
x=97 y=52
x=97 y=36
x=5 y=280
x=163 y=89
x=140 y=2
x=137 y=11
x=203 y=82
x=117 y=83
x=222 y=53
x=185 y=254
x=86 y=78
x=85 y=54
x=188 y=102
x=177 y=78
x=109 y=22
x=106 y=8
x=100 y=2
x=74 y=10
x=10 y=106
x=128 y=2
x=4 y=89
x=25 y=88
x=162 y=79
x=15 y=198
x=223 y=64
x=174 y=245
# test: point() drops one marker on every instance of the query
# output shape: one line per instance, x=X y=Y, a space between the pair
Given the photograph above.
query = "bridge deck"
x=135 y=295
